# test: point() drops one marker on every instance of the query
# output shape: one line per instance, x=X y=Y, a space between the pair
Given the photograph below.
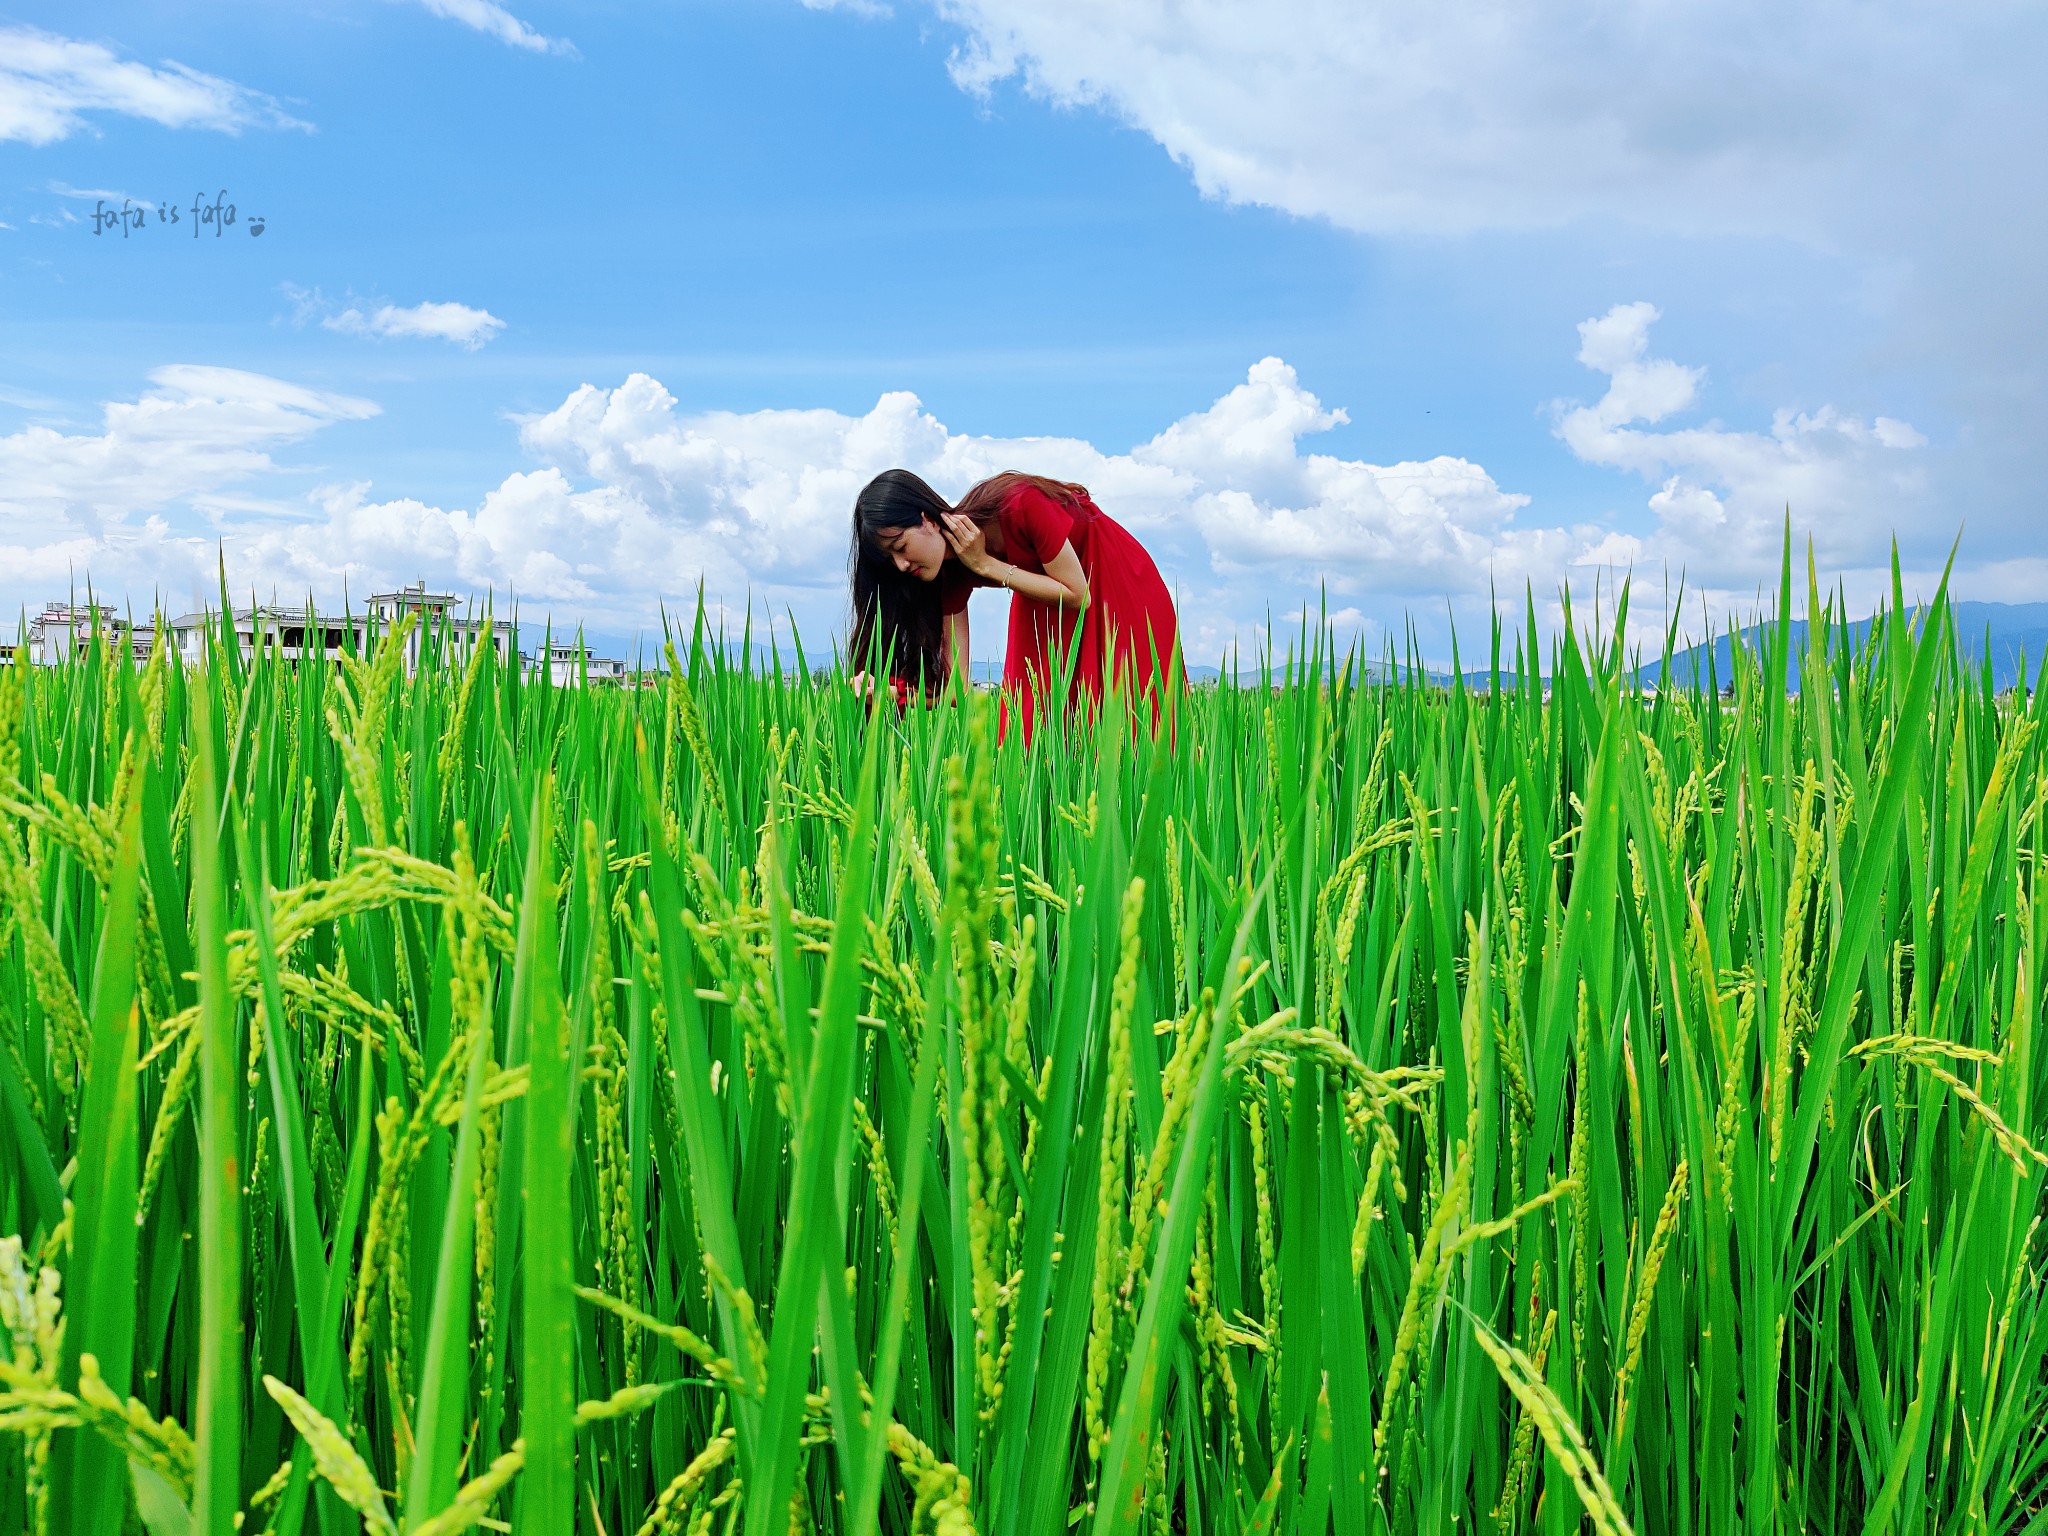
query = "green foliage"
x=733 y=1106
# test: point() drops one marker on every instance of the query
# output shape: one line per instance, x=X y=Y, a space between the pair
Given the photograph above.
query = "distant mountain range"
x=2014 y=634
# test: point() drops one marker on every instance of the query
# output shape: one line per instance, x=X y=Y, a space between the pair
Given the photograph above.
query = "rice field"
x=443 y=1101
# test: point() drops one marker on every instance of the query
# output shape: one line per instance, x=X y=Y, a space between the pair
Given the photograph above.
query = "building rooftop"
x=415 y=596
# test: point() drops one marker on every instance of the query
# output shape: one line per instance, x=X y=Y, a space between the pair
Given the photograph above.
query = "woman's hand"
x=869 y=689
x=970 y=545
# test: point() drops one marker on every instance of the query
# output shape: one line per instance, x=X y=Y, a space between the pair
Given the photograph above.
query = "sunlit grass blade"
x=1129 y=1453
x=547 y=1493
x=102 y=1287
x=218 y=1482
x=824 y=1112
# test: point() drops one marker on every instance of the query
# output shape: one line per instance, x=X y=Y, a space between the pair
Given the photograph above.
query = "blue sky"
x=1315 y=298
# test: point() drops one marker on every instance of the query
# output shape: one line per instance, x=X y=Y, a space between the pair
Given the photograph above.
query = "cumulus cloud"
x=493 y=20
x=1258 y=501
x=461 y=324
x=1722 y=494
x=1639 y=387
x=1219 y=492
x=535 y=535
x=635 y=500
x=630 y=501
x=48 y=85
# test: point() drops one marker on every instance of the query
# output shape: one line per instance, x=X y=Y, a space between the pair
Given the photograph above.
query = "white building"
x=298 y=632
x=566 y=663
x=437 y=616
x=61 y=630
x=292 y=633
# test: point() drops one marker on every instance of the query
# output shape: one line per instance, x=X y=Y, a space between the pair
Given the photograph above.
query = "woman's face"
x=918 y=551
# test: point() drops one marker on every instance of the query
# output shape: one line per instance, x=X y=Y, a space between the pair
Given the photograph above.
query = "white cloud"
x=534 y=535
x=458 y=323
x=631 y=501
x=635 y=500
x=89 y=194
x=1640 y=387
x=493 y=20
x=118 y=505
x=1723 y=495
x=1238 y=474
x=1419 y=114
x=197 y=430
x=867 y=10
x=1226 y=488
x=49 y=83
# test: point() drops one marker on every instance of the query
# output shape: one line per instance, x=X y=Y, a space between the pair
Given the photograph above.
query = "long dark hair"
x=895 y=612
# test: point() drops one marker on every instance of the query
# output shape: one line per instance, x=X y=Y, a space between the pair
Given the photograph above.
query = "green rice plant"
x=434 y=1100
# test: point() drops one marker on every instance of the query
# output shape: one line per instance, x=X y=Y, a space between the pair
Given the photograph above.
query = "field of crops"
x=442 y=1101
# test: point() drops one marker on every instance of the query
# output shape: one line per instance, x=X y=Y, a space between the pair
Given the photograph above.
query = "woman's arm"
x=956 y=640
x=1063 y=582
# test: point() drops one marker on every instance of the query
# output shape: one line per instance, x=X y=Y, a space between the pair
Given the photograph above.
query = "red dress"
x=1128 y=622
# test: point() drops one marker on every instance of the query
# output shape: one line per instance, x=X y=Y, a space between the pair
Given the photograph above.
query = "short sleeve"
x=1037 y=522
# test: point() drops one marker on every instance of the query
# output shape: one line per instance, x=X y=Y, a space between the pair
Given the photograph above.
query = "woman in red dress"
x=916 y=558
